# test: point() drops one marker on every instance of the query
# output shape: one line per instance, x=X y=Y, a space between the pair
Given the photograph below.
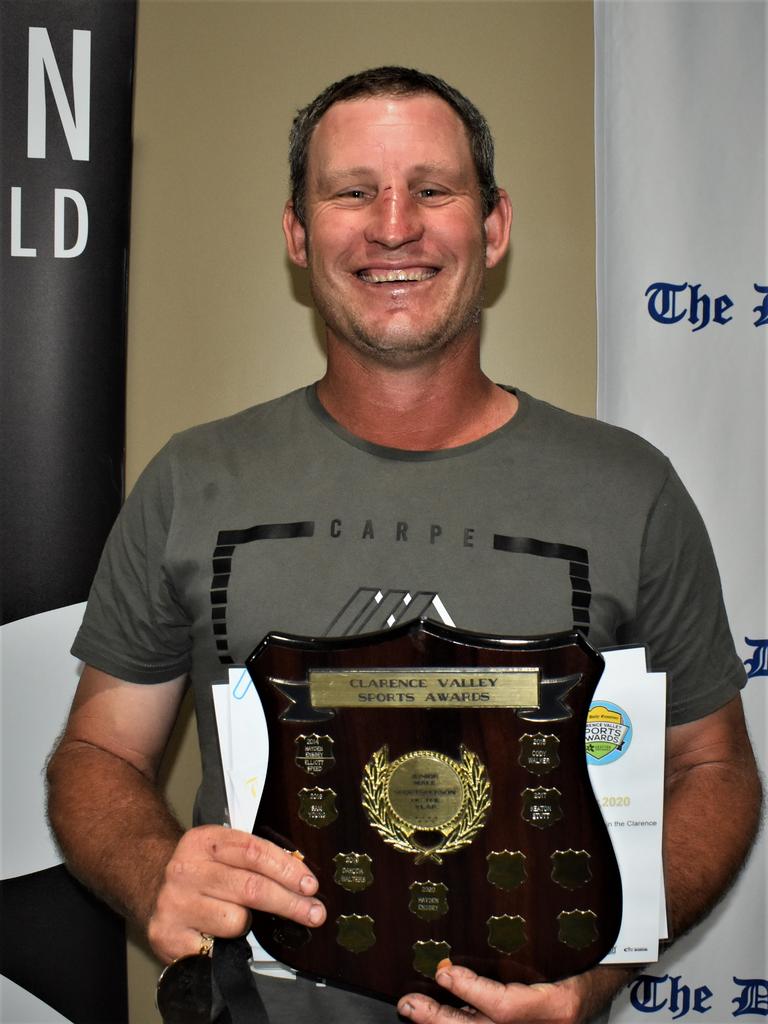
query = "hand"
x=490 y=1002
x=215 y=877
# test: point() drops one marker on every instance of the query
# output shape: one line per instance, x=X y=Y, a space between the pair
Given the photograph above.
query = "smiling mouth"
x=396 y=276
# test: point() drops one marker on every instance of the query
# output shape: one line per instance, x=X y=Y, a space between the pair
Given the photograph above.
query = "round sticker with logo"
x=608 y=733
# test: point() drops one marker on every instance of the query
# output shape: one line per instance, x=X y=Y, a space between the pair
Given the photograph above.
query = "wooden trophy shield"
x=435 y=781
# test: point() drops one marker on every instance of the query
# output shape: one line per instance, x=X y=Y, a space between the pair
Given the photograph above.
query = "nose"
x=395 y=219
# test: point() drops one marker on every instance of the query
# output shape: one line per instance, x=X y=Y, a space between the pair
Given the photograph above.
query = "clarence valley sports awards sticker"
x=608 y=733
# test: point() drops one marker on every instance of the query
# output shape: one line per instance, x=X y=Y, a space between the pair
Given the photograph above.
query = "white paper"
x=629 y=785
x=244 y=745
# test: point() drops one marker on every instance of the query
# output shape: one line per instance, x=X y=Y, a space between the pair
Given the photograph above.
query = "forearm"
x=602 y=984
x=115 y=830
x=711 y=817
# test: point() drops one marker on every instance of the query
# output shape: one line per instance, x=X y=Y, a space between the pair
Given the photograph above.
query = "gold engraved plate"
x=539 y=753
x=314 y=753
x=506 y=870
x=506 y=932
x=353 y=871
x=541 y=806
x=425 y=793
x=578 y=928
x=355 y=932
x=425 y=790
x=425 y=688
x=317 y=807
x=427 y=955
x=429 y=900
x=570 y=868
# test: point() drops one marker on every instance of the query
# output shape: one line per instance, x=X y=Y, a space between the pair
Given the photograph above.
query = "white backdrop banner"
x=682 y=176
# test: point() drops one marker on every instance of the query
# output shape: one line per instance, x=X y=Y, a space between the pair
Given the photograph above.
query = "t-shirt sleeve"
x=134 y=627
x=680 y=611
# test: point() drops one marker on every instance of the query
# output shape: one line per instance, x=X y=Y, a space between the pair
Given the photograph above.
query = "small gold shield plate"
x=539 y=752
x=429 y=900
x=578 y=928
x=570 y=868
x=317 y=807
x=506 y=932
x=541 y=806
x=506 y=869
x=355 y=932
x=427 y=955
x=354 y=871
x=314 y=753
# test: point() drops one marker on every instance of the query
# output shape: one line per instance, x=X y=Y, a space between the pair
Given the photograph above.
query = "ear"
x=295 y=236
x=497 y=228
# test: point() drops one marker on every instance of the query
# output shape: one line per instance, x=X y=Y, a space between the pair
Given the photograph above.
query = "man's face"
x=395 y=240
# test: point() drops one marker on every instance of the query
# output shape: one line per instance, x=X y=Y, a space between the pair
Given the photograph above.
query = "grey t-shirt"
x=278 y=519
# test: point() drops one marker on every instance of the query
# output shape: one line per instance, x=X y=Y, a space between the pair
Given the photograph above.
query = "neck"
x=442 y=403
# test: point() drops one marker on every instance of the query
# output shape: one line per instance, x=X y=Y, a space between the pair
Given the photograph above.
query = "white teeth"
x=396 y=275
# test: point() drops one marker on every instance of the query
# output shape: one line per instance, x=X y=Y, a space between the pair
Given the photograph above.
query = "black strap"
x=237 y=983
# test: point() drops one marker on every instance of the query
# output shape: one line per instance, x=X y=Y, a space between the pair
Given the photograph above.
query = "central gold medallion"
x=425 y=790
x=426 y=795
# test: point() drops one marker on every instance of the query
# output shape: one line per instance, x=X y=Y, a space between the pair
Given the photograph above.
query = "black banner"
x=66 y=70
x=66 y=85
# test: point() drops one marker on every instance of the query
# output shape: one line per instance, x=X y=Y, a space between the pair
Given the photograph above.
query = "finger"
x=258 y=891
x=213 y=897
x=422 y=1010
x=491 y=998
x=243 y=850
x=511 y=1002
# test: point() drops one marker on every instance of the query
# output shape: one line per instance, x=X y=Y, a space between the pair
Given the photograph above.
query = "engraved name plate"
x=445 y=687
x=429 y=900
x=539 y=753
x=541 y=806
x=354 y=871
x=314 y=753
x=317 y=806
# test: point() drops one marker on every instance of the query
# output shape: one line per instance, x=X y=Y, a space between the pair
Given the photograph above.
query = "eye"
x=431 y=193
x=353 y=194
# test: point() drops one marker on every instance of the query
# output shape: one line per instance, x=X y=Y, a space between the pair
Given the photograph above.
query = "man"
x=404 y=482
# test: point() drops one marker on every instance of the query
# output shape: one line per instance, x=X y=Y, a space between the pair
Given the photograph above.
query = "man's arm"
x=710 y=774
x=712 y=811
x=120 y=838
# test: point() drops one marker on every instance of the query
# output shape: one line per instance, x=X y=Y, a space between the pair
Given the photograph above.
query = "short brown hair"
x=391 y=81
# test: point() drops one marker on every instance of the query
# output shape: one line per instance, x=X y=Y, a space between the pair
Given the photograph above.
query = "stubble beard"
x=397 y=346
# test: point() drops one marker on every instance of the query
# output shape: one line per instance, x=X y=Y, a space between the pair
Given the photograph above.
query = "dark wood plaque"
x=435 y=781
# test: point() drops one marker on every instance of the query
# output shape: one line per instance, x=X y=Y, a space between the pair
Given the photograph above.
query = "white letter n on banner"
x=76 y=125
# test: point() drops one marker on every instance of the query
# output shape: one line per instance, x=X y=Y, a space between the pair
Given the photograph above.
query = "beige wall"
x=217 y=320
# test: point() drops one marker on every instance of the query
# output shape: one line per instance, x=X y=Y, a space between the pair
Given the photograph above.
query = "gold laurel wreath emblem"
x=459 y=831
